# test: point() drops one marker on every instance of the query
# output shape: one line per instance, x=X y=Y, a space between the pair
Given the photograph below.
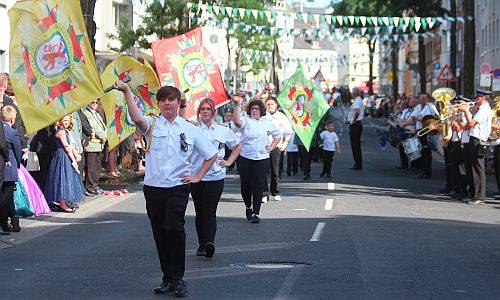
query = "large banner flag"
x=52 y=68
x=183 y=62
x=144 y=84
x=304 y=105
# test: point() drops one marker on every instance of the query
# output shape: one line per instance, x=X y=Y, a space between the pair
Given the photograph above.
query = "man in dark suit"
x=10 y=178
x=7 y=100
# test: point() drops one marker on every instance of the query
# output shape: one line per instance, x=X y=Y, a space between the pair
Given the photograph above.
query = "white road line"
x=300 y=209
x=331 y=186
x=317 y=233
x=287 y=286
x=329 y=204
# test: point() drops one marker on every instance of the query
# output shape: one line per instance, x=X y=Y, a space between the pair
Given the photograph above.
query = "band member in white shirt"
x=354 y=117
x=428 y=109
x=480 y=129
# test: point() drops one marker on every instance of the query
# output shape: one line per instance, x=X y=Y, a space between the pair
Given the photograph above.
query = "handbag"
x=32 y=163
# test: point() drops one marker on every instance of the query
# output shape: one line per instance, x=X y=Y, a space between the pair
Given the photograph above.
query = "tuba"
x=443 y=97
x=495 y=134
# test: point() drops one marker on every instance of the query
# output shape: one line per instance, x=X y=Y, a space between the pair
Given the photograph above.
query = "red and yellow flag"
x=184 y=62
x=52 y=68
x=144 y=84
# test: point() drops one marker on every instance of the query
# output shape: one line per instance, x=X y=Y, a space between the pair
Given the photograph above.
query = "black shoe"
x=200 y=251
x=248 y=213
x=322 y=175
x=444 y=191
x=15 y=225
x=99 y=191
x=307 y=177
x=288 y=174
x=4 y=231
x=167 y=286
x=87 y=193
x=402 y=167
x=355 y=168
x=328 y=176
x=180 y=288
x=423 y=176
x=255 y=219
x=209 y=250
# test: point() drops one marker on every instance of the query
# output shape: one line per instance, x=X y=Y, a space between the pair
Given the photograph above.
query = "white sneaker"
x=264 y=199
x=277 y=198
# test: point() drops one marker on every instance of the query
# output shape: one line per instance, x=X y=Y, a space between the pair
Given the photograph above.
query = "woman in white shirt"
x=254 y=160
x=207 y=192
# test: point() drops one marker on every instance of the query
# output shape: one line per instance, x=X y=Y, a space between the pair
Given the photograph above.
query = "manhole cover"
x=270 y=265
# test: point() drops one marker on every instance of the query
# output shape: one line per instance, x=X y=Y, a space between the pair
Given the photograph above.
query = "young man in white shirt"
x=356 y=114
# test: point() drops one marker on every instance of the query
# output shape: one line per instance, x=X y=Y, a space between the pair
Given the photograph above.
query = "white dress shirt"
x=281 y=121
x=291 y=146
x=415 y=113
x=166 y=161
x=329 y=140
x=483 y=117
x=218 y=136
x=254 y=137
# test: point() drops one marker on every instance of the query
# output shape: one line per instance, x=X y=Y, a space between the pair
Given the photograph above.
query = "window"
x=119 y=11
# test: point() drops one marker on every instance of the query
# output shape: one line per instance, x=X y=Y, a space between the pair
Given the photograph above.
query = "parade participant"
x=480 y=129
x=405 y=123
x=170 y=142
x=7 y=98
x=64 y=187
x=10 y=178
x=93 y=150
x=228 y=121
x=292 y=156
x=355 y=115
x=206 y=193
x=281 y=122
x=428 y=109
x=254 y=157
x=457 y=180
x=330 y=145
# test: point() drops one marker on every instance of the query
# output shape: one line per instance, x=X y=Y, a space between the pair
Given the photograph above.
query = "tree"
x=246 y=38
x=159 y=21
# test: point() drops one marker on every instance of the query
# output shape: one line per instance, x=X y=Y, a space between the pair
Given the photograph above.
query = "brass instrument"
x=495 y=134
x=432 y=124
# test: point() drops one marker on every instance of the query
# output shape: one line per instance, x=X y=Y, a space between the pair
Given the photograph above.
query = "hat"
x=462 y=98
x=480 y=92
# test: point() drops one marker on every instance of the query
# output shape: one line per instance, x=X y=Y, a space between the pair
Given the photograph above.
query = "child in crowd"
x=330 y=145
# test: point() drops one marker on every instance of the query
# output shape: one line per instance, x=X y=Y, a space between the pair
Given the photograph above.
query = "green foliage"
x=161 y=21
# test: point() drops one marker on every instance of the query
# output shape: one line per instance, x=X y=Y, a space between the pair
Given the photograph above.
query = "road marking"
x=300 y=209
x=287 y=286
x=317 y=233
x=329 y=204
x=331 y=186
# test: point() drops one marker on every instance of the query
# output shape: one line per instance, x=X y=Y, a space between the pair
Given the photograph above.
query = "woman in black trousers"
x=254 y=160
x=206 y=193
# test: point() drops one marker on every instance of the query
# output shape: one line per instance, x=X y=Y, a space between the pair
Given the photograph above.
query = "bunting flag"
x=52 y=68
x=304 y=105
x=184 y=62
x=144 y=84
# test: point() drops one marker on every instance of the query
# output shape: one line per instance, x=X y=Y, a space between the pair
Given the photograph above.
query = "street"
x=378 y=233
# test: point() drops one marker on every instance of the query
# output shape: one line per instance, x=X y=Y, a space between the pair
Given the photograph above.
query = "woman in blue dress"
x=64 y=188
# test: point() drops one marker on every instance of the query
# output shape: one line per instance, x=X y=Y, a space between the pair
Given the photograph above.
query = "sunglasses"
x=184 y=145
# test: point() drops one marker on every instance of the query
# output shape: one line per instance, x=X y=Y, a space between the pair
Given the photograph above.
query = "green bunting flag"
x=304 y=105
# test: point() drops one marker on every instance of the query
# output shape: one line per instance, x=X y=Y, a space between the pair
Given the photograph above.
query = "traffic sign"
x=485 y=69
x=496 y=73
x=446 y=74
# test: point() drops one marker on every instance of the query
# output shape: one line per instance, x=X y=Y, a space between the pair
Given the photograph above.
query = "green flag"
x=304 y=105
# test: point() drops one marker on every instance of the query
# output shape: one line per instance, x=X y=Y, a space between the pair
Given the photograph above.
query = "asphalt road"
x=371 y=234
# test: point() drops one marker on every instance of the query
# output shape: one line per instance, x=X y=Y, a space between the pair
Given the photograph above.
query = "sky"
x=314 y=3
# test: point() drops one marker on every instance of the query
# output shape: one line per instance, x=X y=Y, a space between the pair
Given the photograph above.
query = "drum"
x=412 y=148
x=436 y=143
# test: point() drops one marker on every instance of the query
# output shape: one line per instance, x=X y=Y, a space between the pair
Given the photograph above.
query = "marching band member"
x=404 y=122
x=428 y=109
x=480 y=129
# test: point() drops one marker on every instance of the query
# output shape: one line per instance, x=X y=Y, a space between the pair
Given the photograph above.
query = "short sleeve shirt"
x=281 y=121
x=172 y=145
x=483 y=117
x=358 y=104
x=219 y=136
x=329 y=140
x=255 y=137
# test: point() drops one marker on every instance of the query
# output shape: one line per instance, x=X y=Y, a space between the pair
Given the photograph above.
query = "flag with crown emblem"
x=144 y=84
x=304 y=105
x=184 y=62
x=52 y=68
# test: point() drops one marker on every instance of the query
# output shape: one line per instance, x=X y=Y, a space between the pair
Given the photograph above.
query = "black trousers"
x=355 y=131
x=253 y=181
x=468 y=152
x=7 y=208
x=403 y=159
x=327 y=162
x=426 y=156
x=93 y=161
x=448 y=167
x=206 y=196
x=292 y=163
x=274 y=170
x=455 y=161
x=305 y=160
x=497 y=166
x=478 y=171
x=166 y=208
